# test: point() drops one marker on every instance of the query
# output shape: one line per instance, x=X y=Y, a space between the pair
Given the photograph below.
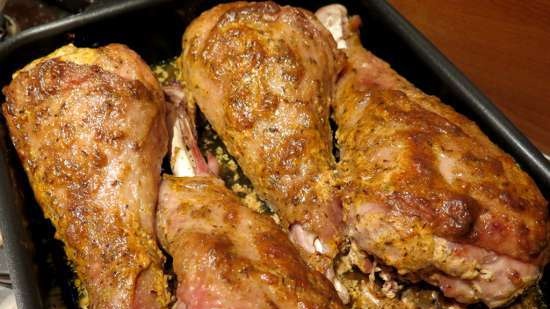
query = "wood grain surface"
x=503 y=46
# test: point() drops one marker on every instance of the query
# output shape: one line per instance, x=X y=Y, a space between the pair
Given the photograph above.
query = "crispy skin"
x=439 y=168
x=225 y=253
x=88 y=125
x=264 y=77
x=426 y=191
x=462 y=184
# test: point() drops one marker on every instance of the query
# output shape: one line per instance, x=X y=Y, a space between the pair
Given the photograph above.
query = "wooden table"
x=503 y=46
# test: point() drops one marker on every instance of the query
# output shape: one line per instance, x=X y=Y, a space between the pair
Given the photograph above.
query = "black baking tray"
x=154 y=28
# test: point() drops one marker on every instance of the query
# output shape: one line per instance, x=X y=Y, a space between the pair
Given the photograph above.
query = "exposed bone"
x=186 y=160
x=338 y=286
x=302 y=238
x=180 y=161
x=319 y=246
x=342 y=291
x=334 y=17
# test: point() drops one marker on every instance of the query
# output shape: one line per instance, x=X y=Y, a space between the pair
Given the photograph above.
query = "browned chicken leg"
x=225 y=255
x=264 y=76
x=88 y=125
x=425 y=191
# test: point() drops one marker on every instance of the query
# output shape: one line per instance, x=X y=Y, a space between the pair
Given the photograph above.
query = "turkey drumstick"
x=225 y=255
x=264 y=75
x=88 y=125
x=424 y=190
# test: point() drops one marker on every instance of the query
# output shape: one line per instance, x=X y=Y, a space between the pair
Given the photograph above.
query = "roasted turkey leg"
x=225 y=255
x=88 y=125
x=424 y=190
x=263 y=75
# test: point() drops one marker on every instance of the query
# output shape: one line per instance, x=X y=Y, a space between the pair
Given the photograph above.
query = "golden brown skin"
x=228 y=256
x=426 y=191
x=88 y=125
x=264 y=77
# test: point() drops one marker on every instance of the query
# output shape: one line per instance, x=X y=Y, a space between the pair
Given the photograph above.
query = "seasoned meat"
x=225 y=255
x=88 y=125
x=424 y=190
x=228 y=256
x=264 y=75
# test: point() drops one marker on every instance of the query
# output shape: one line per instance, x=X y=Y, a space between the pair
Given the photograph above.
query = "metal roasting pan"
x=153 y=28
